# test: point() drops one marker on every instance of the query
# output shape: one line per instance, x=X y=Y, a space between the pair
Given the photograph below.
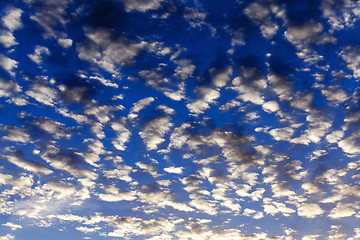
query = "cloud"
x=151 y=169
x=335 y=136
x=7 y=237
x=8 y=88
x=309 y=210
x=349 y=144
x=343 y=210
x=12 y=225
x=154 y=131
x=203 y=205
x=17 y=158
x=335 y=95
x=8 y=64
x=271 y=106
x=260 y=14
x=282 y=134
x=272 y=207
x=138 y=106
x=113 y=194
x=65 y=42
x=36 y=57
x=207 y=96
x=220 y=77
x=43 y=94
x=116 y=51
x=141 y=5
x=7 y=39
x=351 y=55
x=49 y=15
x=249 y=89
x=122 y=172
x=87 y=229
x=308 y=32
x=340 y=14
x=175 y=170
x=184 y=70
x=16 y=134
x=12 y=19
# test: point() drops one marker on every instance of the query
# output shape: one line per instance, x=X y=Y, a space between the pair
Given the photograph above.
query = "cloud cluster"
x=154 y=119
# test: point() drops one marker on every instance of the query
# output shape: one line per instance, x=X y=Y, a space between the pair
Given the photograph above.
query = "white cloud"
x=220 y=77
x=7 y=39
x=318 y=127
x=70 y=217
x=272 y=207
x=302 y=100
x=16 y=134
x=121 y=172
x=104 y=81
x=351 y=55
x=310 y=237
x=309 y=210
x=87 y=229
x=194 y=17
x=65 y=42
x=260 y=14
x=12 y=225
x=154 y=132
x=151 y=169
x=281 y=86
x=29 y=165
x=343 y=210
x=122 y=134
x=249 y=92
x=340 y=15
x=185 y=69
x=116 y=51
x=63 y=189
x=141 y=5
x=271 y=106
x=7 y=237
x=335 y=136
x=138 y=106
x=203 y=205
x=311 y=188
x=175 y=170
x=207 y=96
x=282 y=134
x=8 y=64
x=44 y=95
x=113 y=194
x=335 y=95
x=36 y=57
x=12 y=19
x=8 y=88
x=307 y=32
x=349 y=144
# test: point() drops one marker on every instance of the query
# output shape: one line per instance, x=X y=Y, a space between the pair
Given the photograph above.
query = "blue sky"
x=166 y=119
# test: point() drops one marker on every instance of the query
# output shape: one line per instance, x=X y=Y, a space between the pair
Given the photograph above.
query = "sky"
x=179 y=119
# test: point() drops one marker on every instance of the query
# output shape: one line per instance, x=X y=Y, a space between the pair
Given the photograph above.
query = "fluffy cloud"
x=207 y=96
x=141 y=5
x=351 y=55
x=12 y=19
x=36 y=57
x=117 y=51
x=343 y=210
x=309 y=210
x=8 y=64
x=154 y=132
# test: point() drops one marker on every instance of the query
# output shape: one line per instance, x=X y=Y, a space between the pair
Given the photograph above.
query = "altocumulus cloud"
x=154 y=119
